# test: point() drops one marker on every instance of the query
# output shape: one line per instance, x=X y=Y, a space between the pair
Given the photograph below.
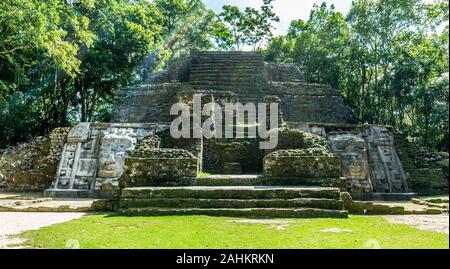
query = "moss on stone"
x=233 y=212
x=32 y=166
x=231 y=193
x=160 y=167
x=291 y=163
x=154 y=153
x=308 y=152
x=232 y=203
x=296 y=139
x=338 y=182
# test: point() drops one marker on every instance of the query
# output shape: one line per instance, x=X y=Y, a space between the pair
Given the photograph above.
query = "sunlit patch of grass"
x=175 y=232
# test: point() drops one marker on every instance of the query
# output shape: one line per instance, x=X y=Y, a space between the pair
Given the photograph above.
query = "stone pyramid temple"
x=321 y=150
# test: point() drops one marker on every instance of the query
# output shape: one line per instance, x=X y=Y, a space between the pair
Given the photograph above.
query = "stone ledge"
x=247 y=212
x=233 y=203
x=232 y=192
x=338 y=182
x=229 y=180
x=302 y=166
x=61 y=193
x=387 y=208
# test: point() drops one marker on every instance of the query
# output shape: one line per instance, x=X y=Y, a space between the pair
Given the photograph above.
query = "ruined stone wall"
x=302 y=158
x=146 y=103
x=176 y=72
x=296 y=139
x=234 y=77
x=302 y=164
x=369 y=159
x=303 y=102
x=221 y=154
x=367 y=153
x=427 y=170
x=93 y=157
x=160 y=167
x=32 y=166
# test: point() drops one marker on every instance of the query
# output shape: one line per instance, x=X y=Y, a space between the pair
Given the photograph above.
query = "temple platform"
x=235 y=201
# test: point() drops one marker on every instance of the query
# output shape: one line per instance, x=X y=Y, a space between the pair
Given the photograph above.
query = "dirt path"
x=12 y=223
x=437 y=223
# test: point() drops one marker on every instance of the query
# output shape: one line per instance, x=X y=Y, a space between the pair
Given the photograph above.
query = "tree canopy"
x=61 y=63
x=250 y=27
x=389 y=58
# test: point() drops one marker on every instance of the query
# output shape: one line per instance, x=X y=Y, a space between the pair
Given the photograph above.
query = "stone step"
x=227 y=70
x=227 y=57
x=235 y=52
x=223 y=83
x=255 y=64
x=222 y=77
x=229 y=88
x=231 y=69
x=238 y=81
x=220 y=83
x=211 y=54
x=227 y=62
x=232 y=192
x=259 y=180
x=238 y=212
x=233 y=203
x=230 y=180
x=236 y=89
x=226 y=66
x=217 y=76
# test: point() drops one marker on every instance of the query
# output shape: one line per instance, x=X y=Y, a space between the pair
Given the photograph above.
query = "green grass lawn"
x=110 y=231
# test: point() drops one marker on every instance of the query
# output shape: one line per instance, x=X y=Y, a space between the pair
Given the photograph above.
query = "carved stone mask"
x=351 y=149
x=115 y=146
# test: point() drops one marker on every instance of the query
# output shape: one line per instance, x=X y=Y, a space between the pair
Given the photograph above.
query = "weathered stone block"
x=160 y=167
x=32 y=166
x=339 y=182
x=285 y=163
x=297 y=139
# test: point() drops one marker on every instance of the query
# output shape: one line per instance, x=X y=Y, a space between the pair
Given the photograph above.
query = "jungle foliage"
x=388 y=57
x=61 y=63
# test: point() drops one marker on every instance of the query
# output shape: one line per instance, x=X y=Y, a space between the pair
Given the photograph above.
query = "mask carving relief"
x=354 y=162
x=114 y=147
x=94 y=155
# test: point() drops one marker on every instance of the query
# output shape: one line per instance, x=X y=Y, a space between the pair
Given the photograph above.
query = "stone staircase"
x=230 y=180
x=231 y=71
x=234 y=201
